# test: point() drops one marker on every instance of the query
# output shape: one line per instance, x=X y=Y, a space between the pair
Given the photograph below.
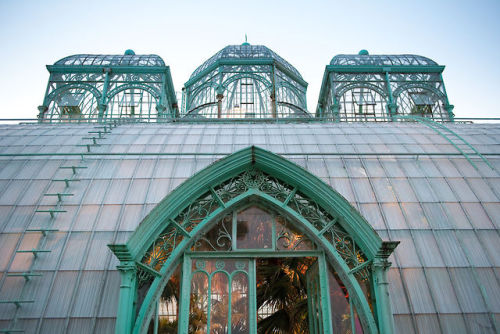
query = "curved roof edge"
x=127 y=59
x=245 y=51
x=364 y=58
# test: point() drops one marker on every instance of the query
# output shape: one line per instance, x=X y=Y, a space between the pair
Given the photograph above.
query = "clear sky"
x=463 y=35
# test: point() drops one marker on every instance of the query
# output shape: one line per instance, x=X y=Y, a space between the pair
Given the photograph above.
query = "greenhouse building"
x=233 y=208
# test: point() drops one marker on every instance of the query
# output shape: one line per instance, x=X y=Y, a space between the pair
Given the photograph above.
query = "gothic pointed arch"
x=349 y=243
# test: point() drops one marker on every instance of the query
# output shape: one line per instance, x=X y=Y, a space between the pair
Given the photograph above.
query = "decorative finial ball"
x=129 y=52
x=363 y=52
x=245 y=43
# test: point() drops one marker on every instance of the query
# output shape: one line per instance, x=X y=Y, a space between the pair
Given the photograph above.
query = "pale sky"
x=462 y=35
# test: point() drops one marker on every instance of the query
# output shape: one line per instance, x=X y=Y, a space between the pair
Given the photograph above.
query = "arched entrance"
x=341 y=239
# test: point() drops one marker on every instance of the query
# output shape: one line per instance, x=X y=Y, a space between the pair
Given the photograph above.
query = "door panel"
x=234 y=295
x=219 y=298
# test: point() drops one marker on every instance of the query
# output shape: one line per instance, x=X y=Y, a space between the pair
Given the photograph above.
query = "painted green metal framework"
x=462 y=145
x=367 y=87
x=103 y=87
x=245 y=81
x=168 y=233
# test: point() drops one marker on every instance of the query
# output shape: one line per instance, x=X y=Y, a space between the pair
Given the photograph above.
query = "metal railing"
x=369 y=119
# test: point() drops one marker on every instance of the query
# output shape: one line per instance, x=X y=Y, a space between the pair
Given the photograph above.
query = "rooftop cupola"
x=105 y=87
x=245 y=81
x=365 y=87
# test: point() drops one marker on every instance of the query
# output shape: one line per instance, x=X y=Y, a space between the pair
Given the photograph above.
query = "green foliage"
x=282 y=287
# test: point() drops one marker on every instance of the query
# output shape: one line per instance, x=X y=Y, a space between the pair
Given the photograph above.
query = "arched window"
x=419 y=100
x=254 y=243
x=363 y=104
x=73 y=101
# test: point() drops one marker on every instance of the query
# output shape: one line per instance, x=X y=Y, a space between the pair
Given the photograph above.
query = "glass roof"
x=444 y=212
x=245 y=51
x=111 y=60
x=382 y=60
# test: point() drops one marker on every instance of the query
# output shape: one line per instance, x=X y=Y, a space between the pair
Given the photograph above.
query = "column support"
x=391 y=106
x=380 y=268
x=447 y=106
x=449 y=109
x=102 y=106
x=41 y=112
x=336 y=110
x=219 y=104
x=160 y=109
x=274 y=103
x=126 y=305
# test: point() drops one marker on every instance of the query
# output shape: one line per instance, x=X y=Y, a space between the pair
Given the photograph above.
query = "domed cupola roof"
x=363 y=58
x=245 y=51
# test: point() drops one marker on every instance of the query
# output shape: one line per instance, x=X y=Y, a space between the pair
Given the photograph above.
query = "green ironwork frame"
x=250 y=274
x=216 y=88
x=452 y=137
x=163 y=217
x=108 y=91
x=393 y=81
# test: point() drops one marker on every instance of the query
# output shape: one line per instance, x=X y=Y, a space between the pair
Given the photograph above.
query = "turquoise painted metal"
x=104 y=87
x=452 y=137
x=366 y=87
x=271 y=181
x=245 y=82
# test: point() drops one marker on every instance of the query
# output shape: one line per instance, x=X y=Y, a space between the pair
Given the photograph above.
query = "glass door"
x=268 y=294
x=315 y=314
x=219 y=296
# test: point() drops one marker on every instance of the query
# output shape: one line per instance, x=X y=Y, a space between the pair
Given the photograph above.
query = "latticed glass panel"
x=268 y=235
x=239 y=303
x=198 y=303
x=73 y=104
x=167 y=308
x=218 y=238
x=254 y=229
x=289 y=237
x=421 y=102
x=219 y=301
x=230 y=282
x=245 y=81
x=368 y=87
x=88 y=88
x=362 y=104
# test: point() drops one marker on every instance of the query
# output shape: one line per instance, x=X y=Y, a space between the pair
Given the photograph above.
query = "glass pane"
x=282 y=294
x=290 y=238
x=218 y=238
x=357 y=324
x=239 y=304
x=339 y=301
x=442 y=290
x=418 y=291
x=254 y=229
x=219 y=302
x=198 y=303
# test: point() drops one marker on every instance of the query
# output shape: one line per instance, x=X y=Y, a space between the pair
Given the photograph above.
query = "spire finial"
x=246 y=42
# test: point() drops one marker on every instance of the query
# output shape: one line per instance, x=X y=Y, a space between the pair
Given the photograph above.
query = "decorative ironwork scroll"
x=220 y=238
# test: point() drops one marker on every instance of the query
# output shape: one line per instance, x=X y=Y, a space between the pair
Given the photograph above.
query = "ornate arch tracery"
x=154 y=250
